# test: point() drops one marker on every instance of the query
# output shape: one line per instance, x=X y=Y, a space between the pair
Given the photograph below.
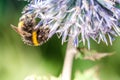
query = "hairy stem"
x=69 y=57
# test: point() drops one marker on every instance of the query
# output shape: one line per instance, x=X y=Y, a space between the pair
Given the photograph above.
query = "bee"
x=30 y=35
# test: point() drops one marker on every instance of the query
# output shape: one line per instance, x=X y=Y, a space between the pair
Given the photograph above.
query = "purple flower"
x=80 y=19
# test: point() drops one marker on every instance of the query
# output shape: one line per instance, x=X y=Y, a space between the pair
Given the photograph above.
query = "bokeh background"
x=18 y=60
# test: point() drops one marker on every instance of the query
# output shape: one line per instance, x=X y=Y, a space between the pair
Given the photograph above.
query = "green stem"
x=69 y=57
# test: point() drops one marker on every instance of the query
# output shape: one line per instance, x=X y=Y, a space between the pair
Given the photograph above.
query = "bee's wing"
x=16 y=29
x=22 y=33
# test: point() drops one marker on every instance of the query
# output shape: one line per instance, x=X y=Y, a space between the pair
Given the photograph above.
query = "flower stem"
x=69 y=57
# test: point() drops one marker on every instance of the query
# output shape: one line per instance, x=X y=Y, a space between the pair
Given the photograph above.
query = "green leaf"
x=35 y=77
x=91 y=54
x=90 y=74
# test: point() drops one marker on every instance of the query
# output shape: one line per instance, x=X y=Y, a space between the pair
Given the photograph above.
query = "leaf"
x=35 y=77
x=92 y=54
x=90 y=74
x=96 y=56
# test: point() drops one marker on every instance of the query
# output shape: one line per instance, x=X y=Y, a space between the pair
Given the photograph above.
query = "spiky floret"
x=80 y=19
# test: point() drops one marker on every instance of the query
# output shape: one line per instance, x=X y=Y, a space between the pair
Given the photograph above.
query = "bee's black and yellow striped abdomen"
x=35 y=38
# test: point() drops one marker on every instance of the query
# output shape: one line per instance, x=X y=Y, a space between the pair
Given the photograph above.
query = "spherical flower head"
x=80 y=19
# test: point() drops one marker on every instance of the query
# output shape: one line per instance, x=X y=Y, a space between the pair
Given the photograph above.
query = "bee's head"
x=29 y=20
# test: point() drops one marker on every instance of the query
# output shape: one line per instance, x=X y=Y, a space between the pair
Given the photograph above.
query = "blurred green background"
x=18 y=60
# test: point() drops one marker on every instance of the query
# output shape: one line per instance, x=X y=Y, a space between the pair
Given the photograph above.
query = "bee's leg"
x=26 y=34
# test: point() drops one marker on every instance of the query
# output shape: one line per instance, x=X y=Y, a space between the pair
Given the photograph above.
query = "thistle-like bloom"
x=80 y=19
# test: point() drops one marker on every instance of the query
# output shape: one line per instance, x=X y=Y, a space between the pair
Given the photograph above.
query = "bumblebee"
x=30 y=35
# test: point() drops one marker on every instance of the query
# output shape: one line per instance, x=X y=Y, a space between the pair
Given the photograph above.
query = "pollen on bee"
x=21 y=24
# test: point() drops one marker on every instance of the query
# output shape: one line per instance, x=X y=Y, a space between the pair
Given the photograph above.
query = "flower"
x=80 y=19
